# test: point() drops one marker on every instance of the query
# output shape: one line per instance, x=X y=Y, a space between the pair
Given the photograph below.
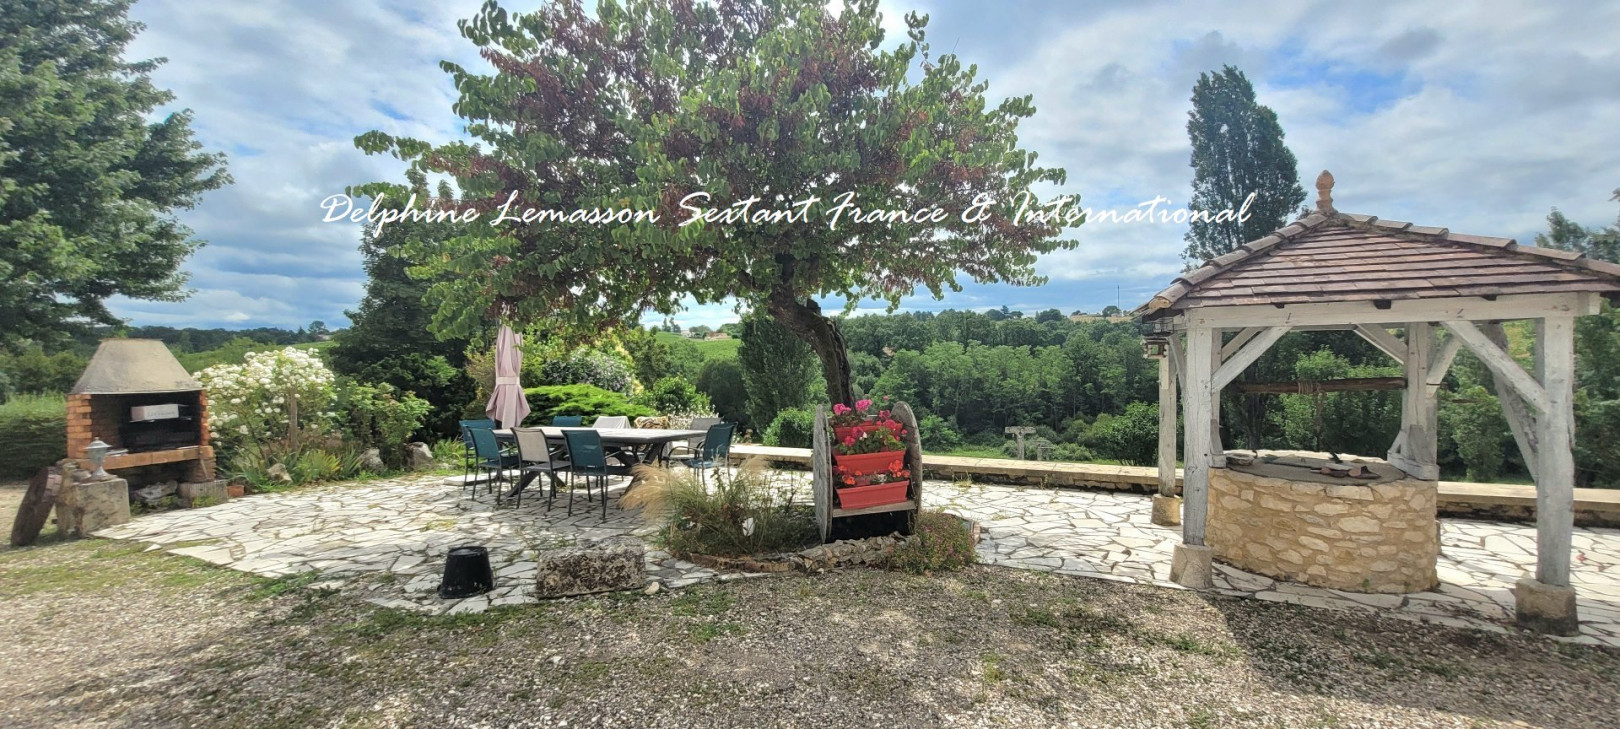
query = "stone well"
x=1283 y=520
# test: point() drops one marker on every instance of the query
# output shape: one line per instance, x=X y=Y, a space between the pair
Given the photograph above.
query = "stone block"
x=607 y=567
x=203 y=493
x=85 y=507
x=1190 y=566
x=1545 y=608
x=1167 y=510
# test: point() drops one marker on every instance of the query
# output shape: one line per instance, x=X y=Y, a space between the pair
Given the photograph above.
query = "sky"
x=1479 y=117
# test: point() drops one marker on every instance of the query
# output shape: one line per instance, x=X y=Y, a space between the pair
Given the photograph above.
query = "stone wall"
x=1354 y=537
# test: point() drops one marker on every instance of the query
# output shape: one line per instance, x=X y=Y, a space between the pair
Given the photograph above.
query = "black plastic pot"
x=466 y=573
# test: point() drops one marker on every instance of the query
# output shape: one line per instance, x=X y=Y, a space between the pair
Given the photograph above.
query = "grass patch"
x=96 y=567
x=705 y=632
x=752 y=512
x=699 y=602
x=940 y=542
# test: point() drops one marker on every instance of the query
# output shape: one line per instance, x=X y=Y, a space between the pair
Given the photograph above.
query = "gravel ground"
x=104 y=634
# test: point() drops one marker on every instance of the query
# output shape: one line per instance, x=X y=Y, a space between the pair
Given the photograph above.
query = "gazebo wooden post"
x=1415 y=450
x=1190 y=563
x=1548 y=602
x=1166 y=504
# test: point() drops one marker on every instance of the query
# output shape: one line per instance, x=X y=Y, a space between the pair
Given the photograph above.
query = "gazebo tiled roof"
x=1331 y=256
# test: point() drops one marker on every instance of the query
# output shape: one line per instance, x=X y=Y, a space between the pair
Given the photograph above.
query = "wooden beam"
x=1238 y=340
x=1521 y=421
x=1201 y=349
x=1235 y=365
x=1555 y=484
x=1501 y=364
x=1311 y=387
x=1380 y=337
x=1167 y=427
x=1519 y=306
x=1419 y=421
x=1443 y=357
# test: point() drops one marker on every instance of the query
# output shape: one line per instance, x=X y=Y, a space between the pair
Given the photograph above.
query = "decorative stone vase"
x=860 y=497
x=867 y=464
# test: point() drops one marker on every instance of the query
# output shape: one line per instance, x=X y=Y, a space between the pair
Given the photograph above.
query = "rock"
x=278 y=472
x=608 y=567
x=652 y=588
x=88 y=506
x=156 y=492
x=371 y=460
x=205 y=493
x=420 y=457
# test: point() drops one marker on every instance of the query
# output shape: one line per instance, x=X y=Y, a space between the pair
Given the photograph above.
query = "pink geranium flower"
x=862 y=405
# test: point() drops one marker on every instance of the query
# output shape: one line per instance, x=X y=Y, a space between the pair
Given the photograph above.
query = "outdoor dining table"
x=639 y=445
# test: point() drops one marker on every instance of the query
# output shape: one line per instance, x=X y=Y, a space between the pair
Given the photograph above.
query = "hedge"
x=588 y=400
x=34 y=429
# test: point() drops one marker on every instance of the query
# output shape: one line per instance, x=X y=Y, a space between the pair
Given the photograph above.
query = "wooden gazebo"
x=1397 y=285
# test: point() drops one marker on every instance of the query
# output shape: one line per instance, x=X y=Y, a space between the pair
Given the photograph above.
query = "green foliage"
x=389 y=340
x=1131 y=438
x=1361 y=423
x=936 y=433
x=588 y=367
x=650 y=357
x=749 y=513
x=778 y=369
x=34 y=429
x=1237 y=149
x=792 y=428
x=32 y=371
x=381 y=416
x=588 y=400
x=90 y=171
x=1597 y=442
x=1474 y=422
x=753 y=96
x=674 y=396
x=721 y=380
x=939 y=542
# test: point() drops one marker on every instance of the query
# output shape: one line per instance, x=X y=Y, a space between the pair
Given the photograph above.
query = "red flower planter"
x=860 y=497
x=867 y=463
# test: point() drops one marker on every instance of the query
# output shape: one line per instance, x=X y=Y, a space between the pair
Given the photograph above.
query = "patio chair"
x=488 y=453
x=691 y=445
x=567 y=421
x=537 y=457
x=611 y=422
x=468 y=461
x=587 y=459
x=715 y=452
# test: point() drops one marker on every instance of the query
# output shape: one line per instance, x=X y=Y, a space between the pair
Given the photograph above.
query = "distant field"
x=194 y=361
x=716 y=349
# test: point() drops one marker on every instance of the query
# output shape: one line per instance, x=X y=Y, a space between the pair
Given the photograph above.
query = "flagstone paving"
x=386 y=540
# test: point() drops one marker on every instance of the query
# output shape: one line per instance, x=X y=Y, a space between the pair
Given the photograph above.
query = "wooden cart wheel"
x=821 y=474
x=902 y=412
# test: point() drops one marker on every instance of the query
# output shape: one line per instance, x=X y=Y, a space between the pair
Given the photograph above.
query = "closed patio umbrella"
x=507 y=404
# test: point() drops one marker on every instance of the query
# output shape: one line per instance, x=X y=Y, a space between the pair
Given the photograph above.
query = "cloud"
x=1477 y=119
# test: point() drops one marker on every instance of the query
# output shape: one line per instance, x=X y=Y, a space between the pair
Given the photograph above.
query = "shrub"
x=938 y=433
x=722 y=381
x=587 y=400
x=250 y=405
x=31 y=371
x=748 y=513
x=34 y=429
x=792 y=428
x=1132 y=438
x=589 y=367
x=939 y=542
x=674 y=396
x=381 y=417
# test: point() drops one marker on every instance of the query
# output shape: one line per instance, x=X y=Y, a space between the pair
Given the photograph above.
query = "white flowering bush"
x=252 y=406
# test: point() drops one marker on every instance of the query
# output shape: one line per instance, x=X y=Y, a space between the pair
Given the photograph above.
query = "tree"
x=1602 y=244
x=317 y=329
x=778 y=369
x=1050 y=316
x=744 y=102
x=1237 y=149
x=389 y=341
x=1110 y=311
x=88 y=183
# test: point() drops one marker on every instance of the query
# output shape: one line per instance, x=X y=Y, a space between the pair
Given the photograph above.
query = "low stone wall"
x=1355 y=537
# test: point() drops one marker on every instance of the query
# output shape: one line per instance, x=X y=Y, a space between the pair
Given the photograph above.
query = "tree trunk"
x=804 y=319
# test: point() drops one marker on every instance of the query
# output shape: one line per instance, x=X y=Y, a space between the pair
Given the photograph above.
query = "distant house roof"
x=1331 y=256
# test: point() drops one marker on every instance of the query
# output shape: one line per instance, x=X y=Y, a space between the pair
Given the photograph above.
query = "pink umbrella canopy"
x=507 y=404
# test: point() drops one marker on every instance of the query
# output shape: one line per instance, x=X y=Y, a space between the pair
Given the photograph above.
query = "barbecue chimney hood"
x=133 y=366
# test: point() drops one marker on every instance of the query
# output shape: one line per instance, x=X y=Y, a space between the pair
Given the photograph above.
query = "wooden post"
x=1167 y=427
x=1415 y=448
x=1201 y=424
x=1555 y=482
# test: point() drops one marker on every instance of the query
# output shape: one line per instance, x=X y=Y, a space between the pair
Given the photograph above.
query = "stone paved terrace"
x=385 y=541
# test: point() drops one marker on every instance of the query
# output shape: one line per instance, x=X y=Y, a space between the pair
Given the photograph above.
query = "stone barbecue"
x=1281 y=517
x=135 y=397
